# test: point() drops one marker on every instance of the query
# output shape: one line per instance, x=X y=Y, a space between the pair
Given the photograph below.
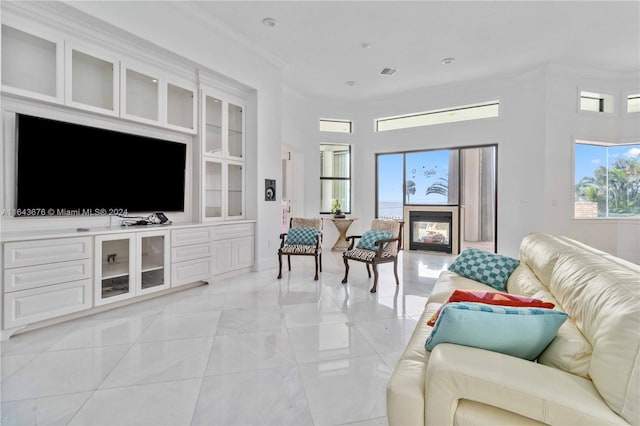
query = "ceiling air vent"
x=388 y=71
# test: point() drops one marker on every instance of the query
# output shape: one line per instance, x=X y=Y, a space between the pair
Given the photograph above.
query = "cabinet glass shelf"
x=114 y=270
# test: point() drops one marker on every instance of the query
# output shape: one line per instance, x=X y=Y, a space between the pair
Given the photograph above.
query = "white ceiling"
x=319 y=43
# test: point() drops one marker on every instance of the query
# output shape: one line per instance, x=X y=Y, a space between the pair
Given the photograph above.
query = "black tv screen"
x=65 y=169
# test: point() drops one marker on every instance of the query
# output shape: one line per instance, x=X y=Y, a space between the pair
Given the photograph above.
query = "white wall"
x=564 y=124
x=534 y=137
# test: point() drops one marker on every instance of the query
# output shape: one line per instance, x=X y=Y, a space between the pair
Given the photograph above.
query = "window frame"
x=442 y=111
x=337 y=179
x=603 y=95
x=335 y=120
x=599 y=142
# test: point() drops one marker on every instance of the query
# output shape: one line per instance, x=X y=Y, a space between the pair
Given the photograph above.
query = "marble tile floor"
x=244 y=350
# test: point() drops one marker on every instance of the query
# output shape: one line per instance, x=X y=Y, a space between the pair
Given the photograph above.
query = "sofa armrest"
x=532 y=390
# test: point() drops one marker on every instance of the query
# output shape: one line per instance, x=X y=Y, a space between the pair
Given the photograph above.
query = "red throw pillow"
x=491 y=298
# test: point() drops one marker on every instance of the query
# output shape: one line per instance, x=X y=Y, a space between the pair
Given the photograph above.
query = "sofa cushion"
x=515 y=331
x=569 y=351
x=492 y=298
x=488 y=268
x=524 y=282
x=301 y=236
x=603 y=300
x=540 y=252
x=368 y=239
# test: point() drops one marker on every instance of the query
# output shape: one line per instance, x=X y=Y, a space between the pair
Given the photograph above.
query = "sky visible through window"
x=425 y=172
x=590 y=157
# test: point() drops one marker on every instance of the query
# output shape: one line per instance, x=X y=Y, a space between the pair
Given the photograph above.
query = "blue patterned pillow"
x=516 y=331
x=488 y=268
x=368 y=239
x=301 y=236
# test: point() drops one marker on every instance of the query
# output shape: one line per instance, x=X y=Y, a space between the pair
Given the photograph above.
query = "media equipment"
x=66 y=169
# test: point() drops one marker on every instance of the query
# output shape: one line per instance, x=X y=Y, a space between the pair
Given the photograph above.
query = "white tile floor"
x=246 y=350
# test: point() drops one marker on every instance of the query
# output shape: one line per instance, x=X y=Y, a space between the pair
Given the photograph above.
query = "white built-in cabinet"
x=45 y=279
x=51 y=277
x=130 y=264
x=223 y=156
x=46 y=67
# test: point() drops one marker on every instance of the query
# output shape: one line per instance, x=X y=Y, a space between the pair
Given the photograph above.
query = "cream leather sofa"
x=588 y=375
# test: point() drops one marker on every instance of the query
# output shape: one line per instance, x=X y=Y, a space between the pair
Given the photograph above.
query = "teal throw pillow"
x=488 y=268
x=516 y=331
x=301 y=236
x=368 y=239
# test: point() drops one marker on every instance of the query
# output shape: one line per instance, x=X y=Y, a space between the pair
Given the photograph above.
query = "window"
x=335 y=177
x=340 y=126
x=633 y=103
x=596 y=102
x=607 y=180
x=449 y=115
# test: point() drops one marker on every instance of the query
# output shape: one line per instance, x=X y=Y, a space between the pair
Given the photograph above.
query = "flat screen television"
x=66 y=169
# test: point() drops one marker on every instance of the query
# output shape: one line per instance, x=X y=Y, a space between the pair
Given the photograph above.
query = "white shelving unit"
x=140 y=99
x=223 y=153
x=92 y=79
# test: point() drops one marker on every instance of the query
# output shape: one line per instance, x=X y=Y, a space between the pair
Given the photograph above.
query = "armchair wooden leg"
x=289 y=262
x=316 y=277
x=320 y=256
x=346 y=270
x=395 y=271
x=375 y=279
x=368 y=270
x=280 y=266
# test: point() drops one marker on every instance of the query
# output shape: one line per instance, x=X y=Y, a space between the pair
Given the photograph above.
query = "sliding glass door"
x=459 y=179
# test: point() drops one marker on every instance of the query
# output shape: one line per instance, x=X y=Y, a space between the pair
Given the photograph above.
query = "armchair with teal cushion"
x=304 y=238
x=378 y=245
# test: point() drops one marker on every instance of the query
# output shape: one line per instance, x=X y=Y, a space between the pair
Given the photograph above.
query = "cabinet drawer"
x=26 y=253
x=225 y=232
x=191 y=271
x=28 y=306
x=193 y=251
x=181 y=237
x=41 y=275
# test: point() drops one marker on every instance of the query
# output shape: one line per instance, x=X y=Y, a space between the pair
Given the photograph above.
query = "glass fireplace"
x=430 y=231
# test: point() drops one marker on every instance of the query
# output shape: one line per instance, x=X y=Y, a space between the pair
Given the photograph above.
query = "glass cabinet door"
x=141 y=96
x=32 y=65
x=181 y=107
x=235 y=190
x=213 y=126
x=153 y=258
x=235 y=133
x=93 y=83
x=114 y=268
x=212 y=189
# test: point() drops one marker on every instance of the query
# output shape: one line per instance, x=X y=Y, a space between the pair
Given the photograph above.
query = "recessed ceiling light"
x=350 y=83
x=447 y=61
x=388 y=71
x=269 y=22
